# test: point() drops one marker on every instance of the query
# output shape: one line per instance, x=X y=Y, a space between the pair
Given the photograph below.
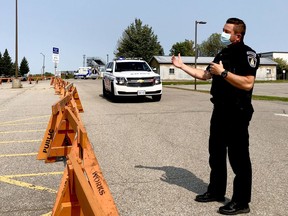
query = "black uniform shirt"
x=238 y=59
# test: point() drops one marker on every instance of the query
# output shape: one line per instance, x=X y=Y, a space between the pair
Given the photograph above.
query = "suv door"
x=108 y=77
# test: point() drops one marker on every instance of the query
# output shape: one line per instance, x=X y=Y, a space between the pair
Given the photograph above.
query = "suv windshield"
x=131 y=66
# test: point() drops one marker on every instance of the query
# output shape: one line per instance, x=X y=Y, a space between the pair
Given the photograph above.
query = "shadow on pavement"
x=180 y=177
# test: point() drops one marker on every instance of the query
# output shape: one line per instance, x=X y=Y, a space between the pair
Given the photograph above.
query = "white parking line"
x=281 y=114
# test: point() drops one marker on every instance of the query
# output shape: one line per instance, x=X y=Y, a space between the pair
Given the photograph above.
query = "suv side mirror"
x=109 y=70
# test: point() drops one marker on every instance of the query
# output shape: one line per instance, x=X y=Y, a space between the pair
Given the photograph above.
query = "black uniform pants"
x=229 y=133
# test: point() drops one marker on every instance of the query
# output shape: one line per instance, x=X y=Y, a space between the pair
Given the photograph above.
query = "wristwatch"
x=224 y=74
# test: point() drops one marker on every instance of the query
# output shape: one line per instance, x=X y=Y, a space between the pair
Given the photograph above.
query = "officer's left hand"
x=216 y=69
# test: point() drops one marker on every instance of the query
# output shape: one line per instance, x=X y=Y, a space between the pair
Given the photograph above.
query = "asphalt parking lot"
x=153 y=154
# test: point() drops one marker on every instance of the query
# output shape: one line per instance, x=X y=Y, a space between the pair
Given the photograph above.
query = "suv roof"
x=129 y=59
x=131 y=65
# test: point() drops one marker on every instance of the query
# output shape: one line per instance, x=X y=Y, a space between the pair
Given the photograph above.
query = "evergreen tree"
x=138 y=41
x=7 y=64
x=1 y=65
x=24 y=67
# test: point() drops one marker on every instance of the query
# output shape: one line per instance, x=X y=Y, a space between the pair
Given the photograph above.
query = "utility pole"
x=196 y=48
x=43 y=67
x=16 y=83
x=84 y=56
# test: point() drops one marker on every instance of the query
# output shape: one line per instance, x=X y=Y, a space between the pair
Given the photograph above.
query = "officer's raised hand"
x=177 y=62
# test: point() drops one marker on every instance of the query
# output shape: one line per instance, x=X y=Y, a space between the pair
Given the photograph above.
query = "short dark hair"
x=240 y=26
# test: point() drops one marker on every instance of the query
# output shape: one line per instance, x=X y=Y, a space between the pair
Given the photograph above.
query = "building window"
x=269 y=74
x=268 y=71
x=171 y=71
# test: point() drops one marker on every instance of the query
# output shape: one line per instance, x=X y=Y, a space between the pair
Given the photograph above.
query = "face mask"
x=225 y=38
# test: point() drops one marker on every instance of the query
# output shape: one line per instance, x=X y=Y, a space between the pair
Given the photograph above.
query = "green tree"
x=13 y=69
x=1 y=65
x=184 y=48
x=7 y=64
x=282 y=65
x=24 y=66
x=138 y=41
x=211 y=46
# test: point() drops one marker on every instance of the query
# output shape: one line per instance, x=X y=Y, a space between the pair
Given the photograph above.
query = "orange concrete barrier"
x=52 y=80
x=63 y=88
x=55 y=142
x=58 y=86
x=83 y=189
x=8 y=80
x=70 y=89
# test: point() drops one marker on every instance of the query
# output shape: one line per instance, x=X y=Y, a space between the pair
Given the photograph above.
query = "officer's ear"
x=238 y=37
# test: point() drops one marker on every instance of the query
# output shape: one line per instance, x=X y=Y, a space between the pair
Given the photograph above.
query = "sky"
x=93 y=27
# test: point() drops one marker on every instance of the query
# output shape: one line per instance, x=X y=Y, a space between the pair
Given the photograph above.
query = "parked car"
x=131 y=77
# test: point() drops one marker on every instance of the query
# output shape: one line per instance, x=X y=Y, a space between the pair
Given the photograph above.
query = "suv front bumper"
x=120 y=90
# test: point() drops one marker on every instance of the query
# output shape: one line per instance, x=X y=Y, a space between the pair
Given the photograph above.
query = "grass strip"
x=254 y=97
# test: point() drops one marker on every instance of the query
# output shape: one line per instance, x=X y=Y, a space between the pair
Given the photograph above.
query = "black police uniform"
x=230 y=119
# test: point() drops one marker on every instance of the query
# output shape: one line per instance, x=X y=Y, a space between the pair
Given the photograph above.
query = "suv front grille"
x=140 y=82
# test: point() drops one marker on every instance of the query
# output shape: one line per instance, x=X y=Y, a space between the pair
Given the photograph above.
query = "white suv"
x=131 y=77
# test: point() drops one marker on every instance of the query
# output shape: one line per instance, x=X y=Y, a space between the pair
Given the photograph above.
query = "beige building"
x=164 y=67
x=273 y=55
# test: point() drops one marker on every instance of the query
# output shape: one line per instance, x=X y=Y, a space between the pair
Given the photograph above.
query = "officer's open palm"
x=177 y=62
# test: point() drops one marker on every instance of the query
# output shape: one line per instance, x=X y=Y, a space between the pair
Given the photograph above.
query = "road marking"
x=47 y=214
x=26 y=185
x=21 y=131
x=8 y=179
x=15 y=124
x=279 y=114
x=32 y=174
x=19 y=120
x=20 y=141
x=18 y=155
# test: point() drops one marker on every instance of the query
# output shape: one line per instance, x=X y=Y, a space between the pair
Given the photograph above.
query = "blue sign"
x=55 y=50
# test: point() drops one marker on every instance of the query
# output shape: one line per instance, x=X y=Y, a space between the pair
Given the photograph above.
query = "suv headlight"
x=157 y=80
x=121 y=80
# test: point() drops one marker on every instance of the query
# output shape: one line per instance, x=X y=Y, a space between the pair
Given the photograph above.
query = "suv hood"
x=136 y=74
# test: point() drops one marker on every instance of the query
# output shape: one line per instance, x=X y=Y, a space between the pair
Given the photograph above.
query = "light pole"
x=16 y=42
x=16 y=83
x=196 y=48
x=84 y=56
x=43 y=67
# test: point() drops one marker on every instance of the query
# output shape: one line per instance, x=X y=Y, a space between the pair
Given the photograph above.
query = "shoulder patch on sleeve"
x=252 y=58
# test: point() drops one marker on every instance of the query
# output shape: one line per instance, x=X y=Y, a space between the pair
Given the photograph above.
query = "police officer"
x=233 y=73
